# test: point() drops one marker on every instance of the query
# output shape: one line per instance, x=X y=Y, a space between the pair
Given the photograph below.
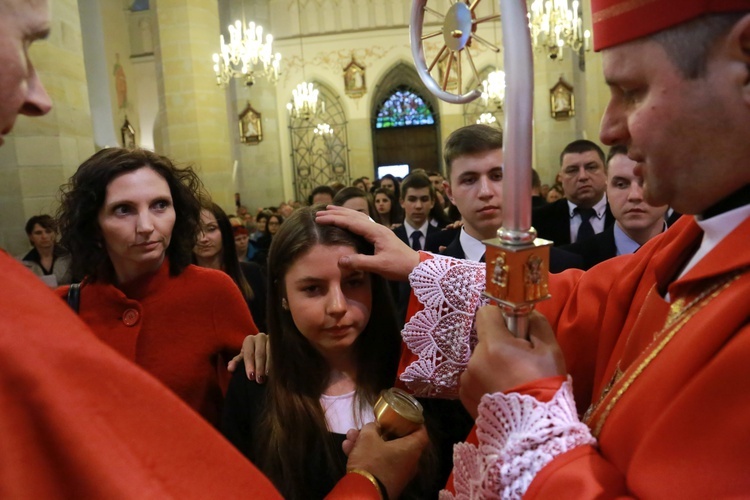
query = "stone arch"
x=418 y=146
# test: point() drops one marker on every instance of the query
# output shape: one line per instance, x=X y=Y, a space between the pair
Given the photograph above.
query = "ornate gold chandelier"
x=554 y=25
x=305 y=102
x=493 y=89
x=246 y=56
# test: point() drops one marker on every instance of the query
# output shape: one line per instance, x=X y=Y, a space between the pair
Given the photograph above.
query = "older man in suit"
x=637 y=221
x=585 y=211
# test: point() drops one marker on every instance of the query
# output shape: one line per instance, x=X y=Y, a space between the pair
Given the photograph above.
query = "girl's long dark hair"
x=395 y=216
x=230 y=264
x=294 y=422
x=348 y=193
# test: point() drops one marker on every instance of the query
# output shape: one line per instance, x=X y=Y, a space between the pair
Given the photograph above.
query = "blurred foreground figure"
x=80 y=421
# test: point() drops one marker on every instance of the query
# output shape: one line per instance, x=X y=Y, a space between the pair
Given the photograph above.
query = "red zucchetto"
x=620 y=21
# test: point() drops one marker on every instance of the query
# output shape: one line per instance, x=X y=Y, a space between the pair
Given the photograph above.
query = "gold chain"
x=679 y=314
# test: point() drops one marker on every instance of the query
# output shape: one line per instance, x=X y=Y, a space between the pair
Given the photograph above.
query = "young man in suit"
x=474 y=166
x=417 y=199
x=585 y=211
x=637 y=221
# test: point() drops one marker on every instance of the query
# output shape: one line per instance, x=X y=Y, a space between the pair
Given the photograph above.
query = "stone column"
x=191 y=126
x=43 y=152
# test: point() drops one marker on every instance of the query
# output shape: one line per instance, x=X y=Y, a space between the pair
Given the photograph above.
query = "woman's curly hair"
x=83 y=197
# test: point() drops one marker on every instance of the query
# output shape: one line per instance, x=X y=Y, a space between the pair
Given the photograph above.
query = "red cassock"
x=181 y=329
x=673 y=422
x=80 y=421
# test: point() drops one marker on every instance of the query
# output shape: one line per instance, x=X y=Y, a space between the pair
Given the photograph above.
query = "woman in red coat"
x=130 y=219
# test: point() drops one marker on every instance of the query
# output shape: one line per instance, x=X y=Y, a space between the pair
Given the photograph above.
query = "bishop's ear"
x=740 y=35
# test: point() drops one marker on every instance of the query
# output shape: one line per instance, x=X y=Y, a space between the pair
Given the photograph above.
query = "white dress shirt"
x=410 y=229
x=473 y=248
x=596 y=222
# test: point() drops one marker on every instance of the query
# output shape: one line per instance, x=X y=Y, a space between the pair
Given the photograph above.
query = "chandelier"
x=554 y=25
x=305 y=102
x=323 y=129
x=493 y=89
x=486 y=119
x=246 y=56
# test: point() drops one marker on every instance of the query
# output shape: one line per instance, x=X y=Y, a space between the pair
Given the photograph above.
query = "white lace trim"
x=518 y=436
x=442 y=335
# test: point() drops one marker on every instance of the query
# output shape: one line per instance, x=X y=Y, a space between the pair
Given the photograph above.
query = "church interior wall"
x=333 y=33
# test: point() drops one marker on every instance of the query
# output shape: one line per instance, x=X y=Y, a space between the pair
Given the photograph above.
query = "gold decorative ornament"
x=354 y=79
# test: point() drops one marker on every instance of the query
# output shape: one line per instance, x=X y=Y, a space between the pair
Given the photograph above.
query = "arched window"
x=405 y=123
x=404 y=108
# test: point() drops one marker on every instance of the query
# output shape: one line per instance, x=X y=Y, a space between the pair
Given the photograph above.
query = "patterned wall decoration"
x=320 y=158
x=320 y=17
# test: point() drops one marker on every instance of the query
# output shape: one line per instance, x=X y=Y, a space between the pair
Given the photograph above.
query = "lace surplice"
x=518 y=435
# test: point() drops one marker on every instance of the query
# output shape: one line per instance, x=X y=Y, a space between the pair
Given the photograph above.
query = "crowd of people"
x=630 y=382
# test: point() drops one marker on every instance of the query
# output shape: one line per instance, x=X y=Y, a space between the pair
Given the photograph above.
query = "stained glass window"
x=139 y=5
x=404 y=108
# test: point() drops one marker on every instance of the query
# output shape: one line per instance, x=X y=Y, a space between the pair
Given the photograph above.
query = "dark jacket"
x=559 y=258
x=401 y=233
x=595 y=250
x=552 y=221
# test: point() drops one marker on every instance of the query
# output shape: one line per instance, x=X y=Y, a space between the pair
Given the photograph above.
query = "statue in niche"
x=251 y=131
x=562 y=100
x=121 y=84
x=147 y=41
x=354 y=79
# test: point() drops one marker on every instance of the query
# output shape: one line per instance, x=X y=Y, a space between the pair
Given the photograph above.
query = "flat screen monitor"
x=399 y=171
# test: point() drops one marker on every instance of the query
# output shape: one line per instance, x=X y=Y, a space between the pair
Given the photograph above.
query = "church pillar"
x=192 y=124
x=43 y=152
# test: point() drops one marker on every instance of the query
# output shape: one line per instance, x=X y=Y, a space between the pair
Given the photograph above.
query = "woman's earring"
x=284 y=304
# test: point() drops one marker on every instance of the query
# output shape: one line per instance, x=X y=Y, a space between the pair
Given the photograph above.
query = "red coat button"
x=130 y=317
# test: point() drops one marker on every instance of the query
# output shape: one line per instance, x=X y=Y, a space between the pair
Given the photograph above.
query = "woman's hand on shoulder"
x=256 y=355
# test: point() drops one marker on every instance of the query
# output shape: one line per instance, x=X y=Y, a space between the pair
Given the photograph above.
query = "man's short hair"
x=321 y=189
x=617 y=149
x=688 y=45
x=417 y=181
x=470 y=140
x=582 y=146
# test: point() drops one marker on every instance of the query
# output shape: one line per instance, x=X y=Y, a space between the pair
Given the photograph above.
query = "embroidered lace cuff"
x=442 y=335
x=518 y=436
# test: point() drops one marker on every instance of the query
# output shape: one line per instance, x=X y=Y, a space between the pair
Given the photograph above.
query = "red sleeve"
x=81 y=421
x=233 y=323
x=62 y=291
x=407 y=356
x=354 y=487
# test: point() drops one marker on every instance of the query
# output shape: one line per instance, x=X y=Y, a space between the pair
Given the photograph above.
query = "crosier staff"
x=517 y=261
